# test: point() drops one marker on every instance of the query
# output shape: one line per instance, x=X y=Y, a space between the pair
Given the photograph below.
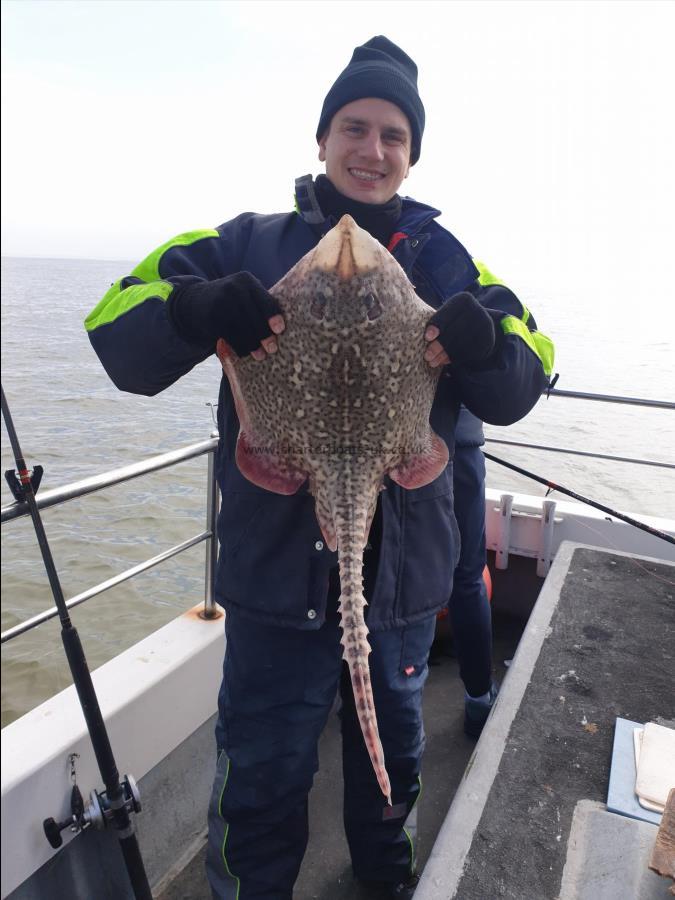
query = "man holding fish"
x=292 y=303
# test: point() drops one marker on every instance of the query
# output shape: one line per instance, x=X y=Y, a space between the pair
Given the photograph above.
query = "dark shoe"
x=405 y=890
x=383 y=891
x=476 y=712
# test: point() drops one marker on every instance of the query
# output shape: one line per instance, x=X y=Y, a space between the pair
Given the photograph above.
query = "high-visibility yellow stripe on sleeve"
x=116 y=302
x=148 y=270
x=538 y=343
x=485 y=276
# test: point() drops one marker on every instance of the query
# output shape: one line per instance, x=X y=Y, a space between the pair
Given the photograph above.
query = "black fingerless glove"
x=235 y=308
x=467 y=332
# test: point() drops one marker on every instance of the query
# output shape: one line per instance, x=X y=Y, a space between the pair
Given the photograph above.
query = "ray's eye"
x=318 y=306
x=373 y=306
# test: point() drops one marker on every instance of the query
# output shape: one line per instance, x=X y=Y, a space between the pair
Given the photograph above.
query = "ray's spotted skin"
x=345 y=400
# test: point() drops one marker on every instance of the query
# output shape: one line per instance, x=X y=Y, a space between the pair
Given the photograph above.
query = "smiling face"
x=367 y=150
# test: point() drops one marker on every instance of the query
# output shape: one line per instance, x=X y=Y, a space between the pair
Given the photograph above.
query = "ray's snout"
x=347 y=250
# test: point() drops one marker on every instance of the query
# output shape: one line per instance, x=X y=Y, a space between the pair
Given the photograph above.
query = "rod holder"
x=504 y=536
x=548 y=521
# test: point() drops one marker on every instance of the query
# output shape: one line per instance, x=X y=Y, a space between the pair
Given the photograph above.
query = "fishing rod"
x=552 y=486
x=120 y=798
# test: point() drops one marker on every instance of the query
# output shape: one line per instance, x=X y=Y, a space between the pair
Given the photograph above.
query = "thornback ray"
x=344 y=401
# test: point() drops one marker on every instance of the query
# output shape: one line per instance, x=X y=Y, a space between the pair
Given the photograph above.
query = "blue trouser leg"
x=469 y=607
x=381 y=838
x=278 y=689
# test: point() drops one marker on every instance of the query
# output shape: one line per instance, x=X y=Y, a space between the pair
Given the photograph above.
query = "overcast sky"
x=550 y=130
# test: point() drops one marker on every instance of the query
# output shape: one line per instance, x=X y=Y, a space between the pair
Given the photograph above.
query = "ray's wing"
x=257 y=459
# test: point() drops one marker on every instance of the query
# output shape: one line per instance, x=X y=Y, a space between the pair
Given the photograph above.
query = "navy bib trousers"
x=279 y=687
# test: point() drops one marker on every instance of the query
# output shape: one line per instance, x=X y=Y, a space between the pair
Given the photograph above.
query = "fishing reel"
x=96 y=813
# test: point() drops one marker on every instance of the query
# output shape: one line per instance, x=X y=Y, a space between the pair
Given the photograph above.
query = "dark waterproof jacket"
x=273 y=564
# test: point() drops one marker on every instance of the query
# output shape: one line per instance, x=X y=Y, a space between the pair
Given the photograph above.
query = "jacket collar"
x=414 y=215
x=306 y=204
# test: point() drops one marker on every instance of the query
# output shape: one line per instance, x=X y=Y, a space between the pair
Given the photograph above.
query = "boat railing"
x=602 y=398
x=57 y=496
x=611 y=398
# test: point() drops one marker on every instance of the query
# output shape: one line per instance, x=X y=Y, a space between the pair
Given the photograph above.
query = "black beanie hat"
x=378 y=69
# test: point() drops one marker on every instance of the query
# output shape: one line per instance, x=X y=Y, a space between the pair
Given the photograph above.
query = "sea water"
x=71 y=420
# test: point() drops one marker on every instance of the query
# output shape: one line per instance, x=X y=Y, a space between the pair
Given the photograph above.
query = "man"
x=276 y=579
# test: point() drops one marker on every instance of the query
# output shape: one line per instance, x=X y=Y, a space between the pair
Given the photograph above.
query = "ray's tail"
x=356 y=646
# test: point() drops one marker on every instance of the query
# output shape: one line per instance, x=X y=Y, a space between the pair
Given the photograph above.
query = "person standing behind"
x=276 y=579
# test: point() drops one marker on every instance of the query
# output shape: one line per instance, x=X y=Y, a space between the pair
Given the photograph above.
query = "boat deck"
x=530 y=821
